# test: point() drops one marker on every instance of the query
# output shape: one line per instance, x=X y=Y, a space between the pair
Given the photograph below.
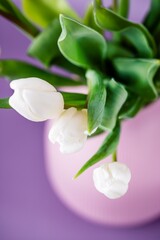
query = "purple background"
x=29 y=209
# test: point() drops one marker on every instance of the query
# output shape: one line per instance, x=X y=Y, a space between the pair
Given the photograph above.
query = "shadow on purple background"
x=29 y=209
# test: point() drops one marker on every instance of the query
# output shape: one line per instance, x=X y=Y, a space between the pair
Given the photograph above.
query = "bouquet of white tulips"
x=121 y=74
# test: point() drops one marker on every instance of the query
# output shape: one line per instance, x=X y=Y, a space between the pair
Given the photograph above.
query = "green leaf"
x=62 y=62
x=152 y=18
x=123 y=8
x=135 y=33
x=4 y=103
x=10 y=11
x=44 y=47
x=156 y=35
x=97 y=132
x=157 y=81
x=78 y=41
x=77 y=100
x=96 y=99
x=13 y=69
x=139 y=42
x=43 y=12
x=131 y=107
x=108 y=147
x=116 y=97
x=116 y=50
x=138 y=75
x=89 y=19
x=5 y=5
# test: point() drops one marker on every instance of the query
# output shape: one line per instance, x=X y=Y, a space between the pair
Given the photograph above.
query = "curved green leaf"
x=138 y=75
x=44 y=47
x=97 y=132
x=43 y=12
x=116 y=97
x=138 y=40
x=96 y=100
x=135 y=33
x=108 y=147
x=80 y=44
x=89 y=19
x=131 y=107
x=13 y=69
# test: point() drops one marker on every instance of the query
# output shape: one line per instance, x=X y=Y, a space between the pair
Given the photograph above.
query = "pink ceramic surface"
x=139 y=148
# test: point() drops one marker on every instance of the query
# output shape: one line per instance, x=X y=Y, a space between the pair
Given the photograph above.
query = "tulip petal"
x=117 y=190
x=120 y=171
x=32 y=83
x=16 y=101
x=35 y=99
x=60 y=124
x=44 y=105
x=112 y=179
x=69 y=130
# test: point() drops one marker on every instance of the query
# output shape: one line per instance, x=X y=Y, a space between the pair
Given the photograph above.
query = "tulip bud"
x=69 y=130
x=112 y=179
x=36 y=99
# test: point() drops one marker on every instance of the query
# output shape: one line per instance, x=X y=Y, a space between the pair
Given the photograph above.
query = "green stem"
x=123 y=8
x=97 y=2
x=4 y=103
x=76 y=100
x=115 y=5
x=114 y=157
x=28 y=28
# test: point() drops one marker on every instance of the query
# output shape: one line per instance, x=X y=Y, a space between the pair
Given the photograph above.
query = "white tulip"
x=112 y=179
x=69 y=130
x=35 y=99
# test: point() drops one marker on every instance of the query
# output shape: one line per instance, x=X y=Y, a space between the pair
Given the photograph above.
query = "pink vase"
x=139 y=148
